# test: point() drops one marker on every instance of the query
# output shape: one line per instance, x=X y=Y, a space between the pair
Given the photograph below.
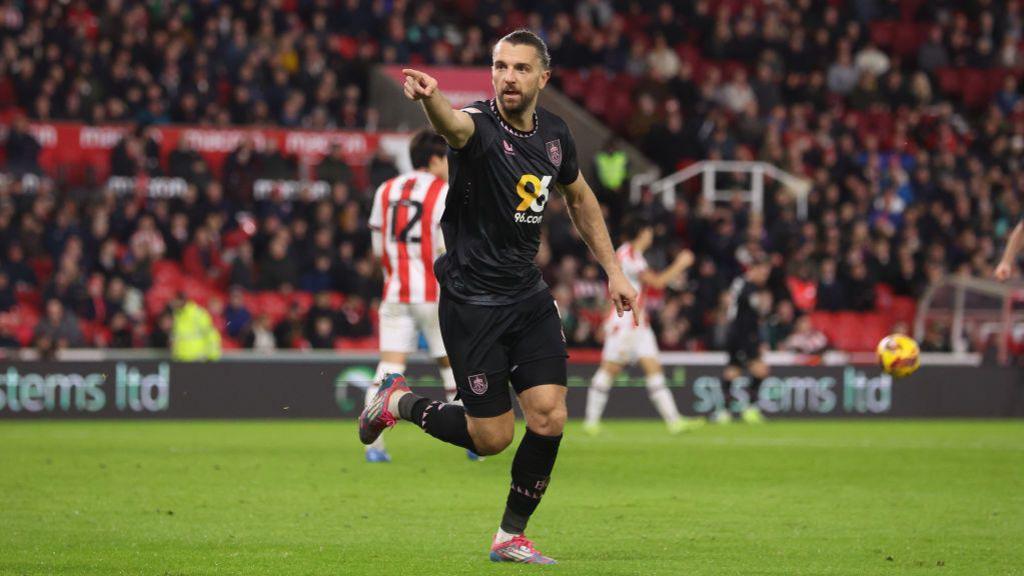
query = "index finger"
x=636 y=316
x=618 y=305
x=416 y=74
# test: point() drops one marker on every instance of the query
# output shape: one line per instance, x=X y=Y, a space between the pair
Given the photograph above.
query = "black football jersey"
x=499 y=185
x=746 y=309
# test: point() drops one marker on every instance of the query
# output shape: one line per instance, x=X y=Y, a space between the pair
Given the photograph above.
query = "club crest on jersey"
x=508 y=148
x=478 y=383
x=554 y=149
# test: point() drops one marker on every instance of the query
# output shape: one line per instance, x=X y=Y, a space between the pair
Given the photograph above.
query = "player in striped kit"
x=626 y=342
x=405 y=220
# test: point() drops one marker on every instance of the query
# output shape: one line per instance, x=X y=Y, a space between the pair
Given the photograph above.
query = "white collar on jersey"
x=494 y=108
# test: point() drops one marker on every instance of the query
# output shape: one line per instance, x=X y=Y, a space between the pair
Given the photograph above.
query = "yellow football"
x=899 y=355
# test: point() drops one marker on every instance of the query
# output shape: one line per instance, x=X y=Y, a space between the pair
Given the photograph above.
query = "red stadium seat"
x=573 y=84
x=29 y=298
x=908 y=9
x=303 y=299
x=882 y=33
x=950 y=81
x=167 y=273
x=976 y=88
x=904 y=309
x=368 y=343
x=908 y=37
x=883 y=297
x=273 y=305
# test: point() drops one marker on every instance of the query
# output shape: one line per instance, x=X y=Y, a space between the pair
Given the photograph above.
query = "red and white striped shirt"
x=407 y=213
x=633 y=264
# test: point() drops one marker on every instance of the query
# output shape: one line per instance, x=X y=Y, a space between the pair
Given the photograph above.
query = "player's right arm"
x=659 y=280
x=1013 y=247
x=455 y=126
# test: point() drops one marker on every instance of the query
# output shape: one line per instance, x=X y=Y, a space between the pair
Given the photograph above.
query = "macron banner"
x=266 y=389
x=72 y=147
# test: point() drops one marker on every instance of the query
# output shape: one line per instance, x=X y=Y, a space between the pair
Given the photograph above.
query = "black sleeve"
x=570 y=168
x=483 y=133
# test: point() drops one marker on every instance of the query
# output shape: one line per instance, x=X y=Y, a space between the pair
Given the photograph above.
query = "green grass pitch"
x=289 y=497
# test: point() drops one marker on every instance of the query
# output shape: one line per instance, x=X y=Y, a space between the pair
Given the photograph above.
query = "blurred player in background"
x=749 y=305
x=626 y=342
x=405 y=220
x=500 y=324
x=1014 y=245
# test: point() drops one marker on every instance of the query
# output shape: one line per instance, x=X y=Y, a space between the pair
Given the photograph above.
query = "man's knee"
x=492 y=435
x=548 y=420
x=491 y=442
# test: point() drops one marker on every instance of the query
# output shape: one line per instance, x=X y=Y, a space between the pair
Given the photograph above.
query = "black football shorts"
x=742 y=353
x=491 y=347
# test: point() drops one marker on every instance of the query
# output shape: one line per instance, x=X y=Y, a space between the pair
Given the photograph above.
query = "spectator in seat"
x=382 y=168
x=120 y=331
x=147 y=233
x=872 y=60
x=353 y=320
x=861 y=288
x=7 y=339
x=662 y=60
x=936 y=338
x=781 y=324
x=932 y=53
x=116 y=297
x=237 y=317
x=22 y=149
x=275 y=166
x=277 y=270
x=94 y=307
x=260 y=337
x=160 y=337
x=334 y=169
x=202 y=257
x=19 y=273
x=241 y=169
x=321 y=308
x=323 y=335
x=805 y=339
x=243 y=269
x=831 y=296
x=289 y=332
x=320 y=278
x=185 y=162
x=842 y=75
x=57 y=329
x=1008 y=96
x=7 y=299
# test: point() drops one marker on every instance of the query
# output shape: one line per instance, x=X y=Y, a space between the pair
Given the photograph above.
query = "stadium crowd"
x=914 y=175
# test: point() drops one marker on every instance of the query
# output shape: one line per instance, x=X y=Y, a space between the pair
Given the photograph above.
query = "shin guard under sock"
x=531 y=472
x=442 y=421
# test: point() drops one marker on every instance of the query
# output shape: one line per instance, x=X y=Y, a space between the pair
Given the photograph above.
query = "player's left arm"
x=586 y=216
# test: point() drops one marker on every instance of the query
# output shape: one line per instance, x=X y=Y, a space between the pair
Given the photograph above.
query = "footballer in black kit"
x=749 y=305
x=499 y=323
x=497 y=317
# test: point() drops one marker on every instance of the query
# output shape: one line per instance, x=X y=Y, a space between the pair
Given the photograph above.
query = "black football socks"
x=531 y=472
x=441 y=420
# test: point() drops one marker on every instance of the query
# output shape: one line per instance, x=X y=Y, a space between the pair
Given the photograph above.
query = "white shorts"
x=625 y=343
x=400 y=325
